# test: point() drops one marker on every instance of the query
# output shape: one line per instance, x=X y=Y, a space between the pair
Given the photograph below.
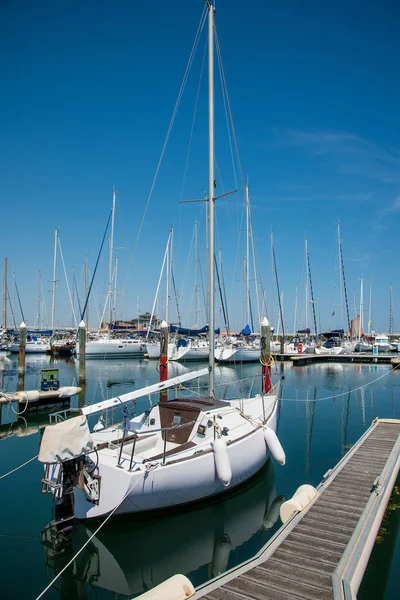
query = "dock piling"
x=21 y=356
x=266 y=355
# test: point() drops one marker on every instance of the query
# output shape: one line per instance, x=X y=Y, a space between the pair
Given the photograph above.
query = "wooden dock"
x=300 y=360
x=322 y=552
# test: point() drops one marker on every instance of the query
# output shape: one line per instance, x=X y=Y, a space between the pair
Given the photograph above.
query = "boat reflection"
x=131 y=555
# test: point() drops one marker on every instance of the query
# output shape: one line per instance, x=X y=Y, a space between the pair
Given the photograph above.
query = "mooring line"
x=87 y=542
x=20 y=467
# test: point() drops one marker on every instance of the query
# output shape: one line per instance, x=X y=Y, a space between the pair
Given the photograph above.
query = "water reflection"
x=132 y=555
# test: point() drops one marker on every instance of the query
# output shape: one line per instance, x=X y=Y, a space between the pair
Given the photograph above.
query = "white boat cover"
x=65 y=440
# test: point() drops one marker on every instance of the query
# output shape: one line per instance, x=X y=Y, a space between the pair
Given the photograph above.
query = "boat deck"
x=321 y=553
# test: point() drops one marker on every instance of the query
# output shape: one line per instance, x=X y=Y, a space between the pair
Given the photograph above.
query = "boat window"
x=177 y=420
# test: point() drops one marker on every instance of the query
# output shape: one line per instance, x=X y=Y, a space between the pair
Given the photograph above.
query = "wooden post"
x=163 y=360
x=266 y=355
x=21 y=356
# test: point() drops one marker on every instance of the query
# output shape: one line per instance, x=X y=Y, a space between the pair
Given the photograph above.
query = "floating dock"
x=321 y=553
x=300 y=360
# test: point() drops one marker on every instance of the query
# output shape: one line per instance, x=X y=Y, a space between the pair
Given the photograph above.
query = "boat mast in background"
x=391 y=310
x=362 y=306
x=111 y=258
x=342 y=282
x=370 y=307
x=53 y=295
x=211 y=184
x=5 y=293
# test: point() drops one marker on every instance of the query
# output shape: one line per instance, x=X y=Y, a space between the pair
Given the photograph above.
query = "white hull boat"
x=192 y=351
x=31 y=347
x=237 y=354
x=153 y=350
x=181 y=452
x=113 y=563
x=178 y=452
x=333 y=350
x=113 y=348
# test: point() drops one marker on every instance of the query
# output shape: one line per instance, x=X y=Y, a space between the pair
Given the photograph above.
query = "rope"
x=20 y=467
x=269 y=363
x=361 y=387
x=171 y=124
x=88 y=541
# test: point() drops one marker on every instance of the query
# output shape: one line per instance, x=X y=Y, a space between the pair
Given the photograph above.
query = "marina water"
x=323 y=410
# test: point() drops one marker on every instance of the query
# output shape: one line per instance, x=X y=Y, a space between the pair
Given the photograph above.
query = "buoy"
x=177 y=587
x=301 y=498
x=274 y=445
x=220 y=559
x=222 y=463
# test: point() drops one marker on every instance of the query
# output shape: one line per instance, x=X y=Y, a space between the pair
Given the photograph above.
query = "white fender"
x=221 y=555
x=274 y=445
x=222 y=463
x=177 y=587
x=301 y=498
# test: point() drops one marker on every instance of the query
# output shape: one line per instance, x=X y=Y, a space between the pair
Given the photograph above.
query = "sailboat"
x=178 y=452
x=242 y=349
x=103 y=345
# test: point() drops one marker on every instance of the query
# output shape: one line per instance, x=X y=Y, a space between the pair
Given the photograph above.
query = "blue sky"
x=87 y=96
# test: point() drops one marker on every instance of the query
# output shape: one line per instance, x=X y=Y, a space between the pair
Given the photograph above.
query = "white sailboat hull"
x=190 y=353
x=184 y=478
x=232 y=354
x=30 y=348
x=113 y=348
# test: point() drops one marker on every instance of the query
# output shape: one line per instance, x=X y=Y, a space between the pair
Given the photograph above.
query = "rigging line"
x=89 y=540
x=20 y=467
x=311 y=290
x=77 y=292
x=278 y=291
x=193 y=120
x=361 y=387
x=95 y=268
x=12 y=309
x=176 y=298
x=229 y=105
x=345 y=288
x=228 y=121
x=19 y=301
x=171 y=124
x=220 y=295
x=66 y=280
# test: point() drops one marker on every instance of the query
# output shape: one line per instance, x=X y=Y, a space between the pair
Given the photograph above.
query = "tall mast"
x=196 y=298
x=311 y=287
x=111 y=260
x=5 y=293
x=53 y=295
x=362 y=306
x=247 y=257
x=340 y=276
x=115 y=289
x=307 y=284
x=167 y=276
x=40 y=301
x=370 y=306
x=85 y=272
x=211 y=194
x=295 y=313
x=391 y=310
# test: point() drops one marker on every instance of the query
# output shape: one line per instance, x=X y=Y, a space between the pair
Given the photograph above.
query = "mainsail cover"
x=65 y=440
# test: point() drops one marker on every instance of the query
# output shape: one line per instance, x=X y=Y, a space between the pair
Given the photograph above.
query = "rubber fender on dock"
x=301 y=498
